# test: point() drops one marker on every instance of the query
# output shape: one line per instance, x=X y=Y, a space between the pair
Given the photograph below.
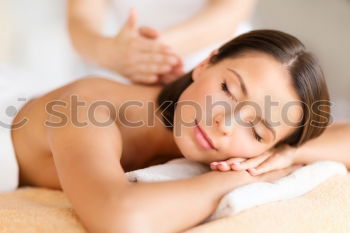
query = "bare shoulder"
x=75 y=138
x=71 y=121
x=98 y=88
x=94 y=87
x=58 y=130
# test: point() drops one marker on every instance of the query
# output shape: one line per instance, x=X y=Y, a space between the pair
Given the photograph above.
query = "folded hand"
x=277 y=158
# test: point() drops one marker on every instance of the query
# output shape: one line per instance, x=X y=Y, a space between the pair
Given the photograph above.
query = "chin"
x=188 y=149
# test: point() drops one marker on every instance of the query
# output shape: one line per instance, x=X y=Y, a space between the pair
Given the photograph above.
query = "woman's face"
x=239 y=107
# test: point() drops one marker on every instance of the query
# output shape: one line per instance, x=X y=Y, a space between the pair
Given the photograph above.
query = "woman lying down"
x=247 y=111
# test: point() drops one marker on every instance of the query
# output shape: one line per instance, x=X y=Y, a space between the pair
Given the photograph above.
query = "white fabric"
x=16 y=89
x=296 y=184
x=9 y=171
x=44 y=46
x=162 y=14
x=159 y=14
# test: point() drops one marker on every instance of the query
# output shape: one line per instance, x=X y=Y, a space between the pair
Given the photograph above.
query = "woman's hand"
x=243 y=177
x=277 y=158
x=271 y=176
x=138 y=55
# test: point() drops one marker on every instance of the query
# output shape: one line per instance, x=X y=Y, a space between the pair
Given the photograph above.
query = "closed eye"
x=255 y=134
x=227 y=91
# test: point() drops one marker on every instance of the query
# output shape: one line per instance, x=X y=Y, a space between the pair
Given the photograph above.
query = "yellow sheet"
x=324 y=210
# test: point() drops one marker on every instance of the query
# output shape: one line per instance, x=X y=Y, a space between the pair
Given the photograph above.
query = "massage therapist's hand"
x=176 y=71
x=138 y=55
x=278 y=158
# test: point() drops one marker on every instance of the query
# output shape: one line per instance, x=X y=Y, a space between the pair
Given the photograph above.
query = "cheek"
x=203 y=100
x=198 y=90
x=191 y=105
x=242 y=146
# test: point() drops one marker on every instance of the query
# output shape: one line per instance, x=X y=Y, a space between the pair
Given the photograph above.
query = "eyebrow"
x=241 y=82
x=268 y=126
x=245 y=92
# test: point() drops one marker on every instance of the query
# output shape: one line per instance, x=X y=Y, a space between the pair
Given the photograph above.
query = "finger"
x=228 y=162
x=168 y=78
x=152 y=68
x=234 y=162
x=159 y=58
x=213 y=166
x=164 y=69
x=276 y=174
x=149 y=45
x=144 y=78
x=130 y=23
x=250 y=163
x=220 y=166
x=179 y=72
x=223 y=166
x=179 y=68
x=148 y=32
x=274 y=162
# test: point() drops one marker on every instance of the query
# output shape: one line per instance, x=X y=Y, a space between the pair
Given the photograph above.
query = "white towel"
x=296 y=184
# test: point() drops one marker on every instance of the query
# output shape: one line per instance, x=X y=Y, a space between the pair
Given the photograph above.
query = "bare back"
x=32 y=147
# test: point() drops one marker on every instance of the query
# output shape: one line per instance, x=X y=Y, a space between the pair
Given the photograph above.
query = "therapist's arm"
x=85 y=20
x=217 y=22
x=134 y=52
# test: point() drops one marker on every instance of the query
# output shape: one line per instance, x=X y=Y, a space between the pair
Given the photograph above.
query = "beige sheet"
x=324 y=210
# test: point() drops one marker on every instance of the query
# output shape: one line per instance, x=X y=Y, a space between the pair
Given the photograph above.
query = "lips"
x=202 y=138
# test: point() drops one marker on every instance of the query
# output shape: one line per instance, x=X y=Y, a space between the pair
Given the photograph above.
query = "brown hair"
x=306 y=74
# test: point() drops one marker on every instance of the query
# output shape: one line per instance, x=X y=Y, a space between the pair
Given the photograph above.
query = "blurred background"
x=33 y=40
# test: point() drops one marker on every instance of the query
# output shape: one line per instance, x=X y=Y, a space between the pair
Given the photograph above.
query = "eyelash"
x=255 y=134
x=227 y=92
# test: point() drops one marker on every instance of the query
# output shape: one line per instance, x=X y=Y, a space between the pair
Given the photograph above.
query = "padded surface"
x=326 y=209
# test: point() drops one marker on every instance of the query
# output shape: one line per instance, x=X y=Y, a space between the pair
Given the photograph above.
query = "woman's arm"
x=87 y=160
x=215 y=23
x=333 y=144
x=175 y=206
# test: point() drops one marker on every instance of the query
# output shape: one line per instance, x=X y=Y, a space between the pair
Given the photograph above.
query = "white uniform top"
x=45 y=48
x=160 y=14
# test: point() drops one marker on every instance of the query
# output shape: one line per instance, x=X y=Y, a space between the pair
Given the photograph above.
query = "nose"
x=224 y=124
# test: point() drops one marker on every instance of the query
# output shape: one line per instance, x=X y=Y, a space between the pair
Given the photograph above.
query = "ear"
x=203 y=65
